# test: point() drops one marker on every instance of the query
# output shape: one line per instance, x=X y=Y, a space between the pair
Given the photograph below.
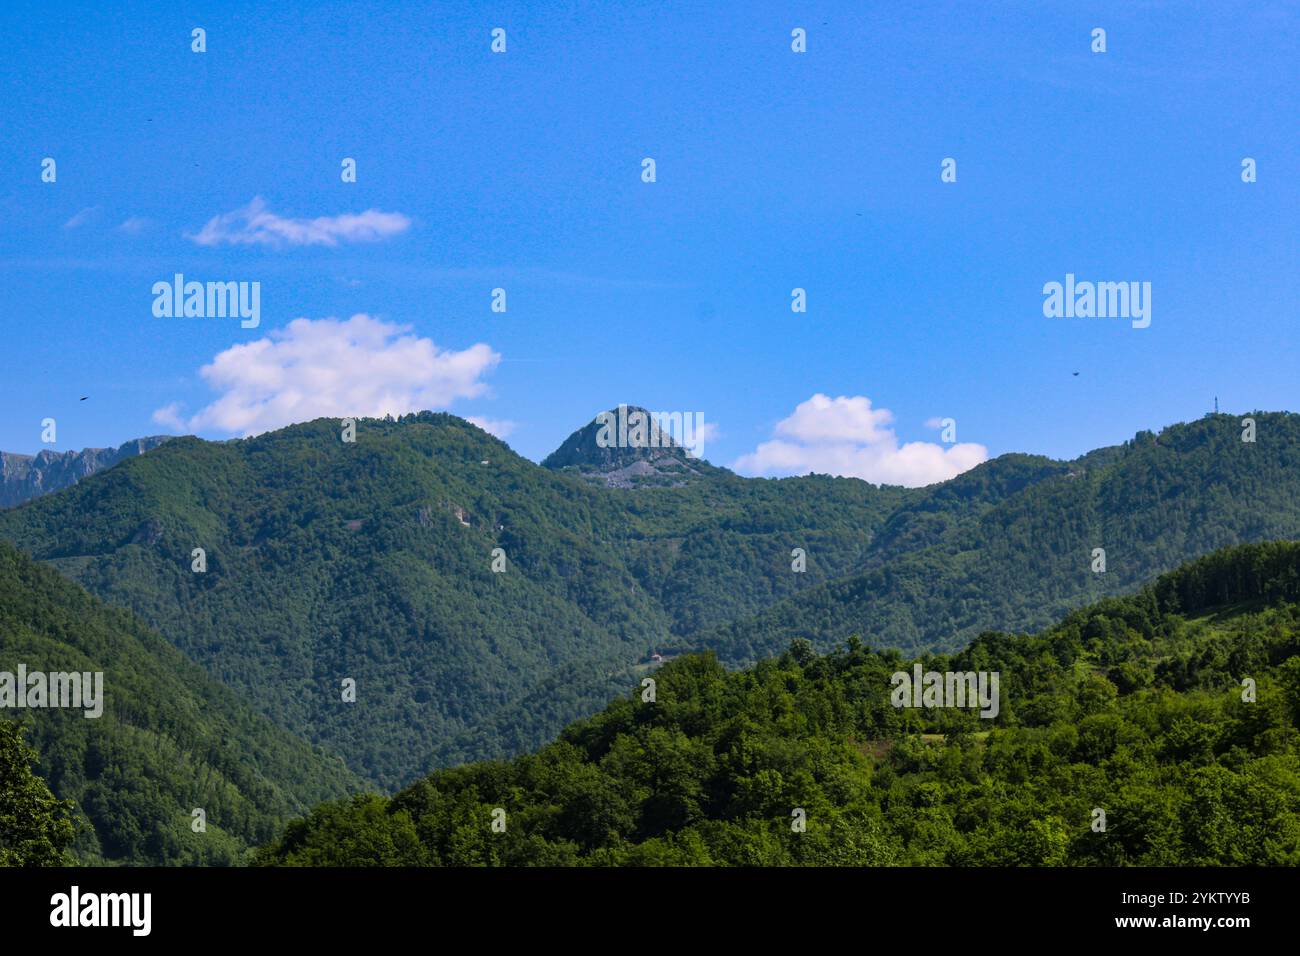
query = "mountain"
x=1011 y=542
x=626 y=448
x=1161 y=729
x=23 y=477
x=169 y=738
x=373 y=561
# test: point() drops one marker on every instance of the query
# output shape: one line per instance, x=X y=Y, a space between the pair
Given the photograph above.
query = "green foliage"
x=1132 y=705
x=35 y=827
x=170 y=738
x=328 y=560
x=1009 y=543
x=371 y=561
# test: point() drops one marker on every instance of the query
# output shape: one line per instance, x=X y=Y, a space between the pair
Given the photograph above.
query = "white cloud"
x=255 y=225
x=846 y=436
x=326 y=368
x=81 y=218
x=169 y=416
x=493 y=426
x=135 y=225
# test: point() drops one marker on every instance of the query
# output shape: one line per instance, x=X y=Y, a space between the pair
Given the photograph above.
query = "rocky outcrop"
x=611 y=452
x=23 y=477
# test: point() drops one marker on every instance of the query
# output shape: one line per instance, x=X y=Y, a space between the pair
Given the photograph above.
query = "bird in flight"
x=84 y=397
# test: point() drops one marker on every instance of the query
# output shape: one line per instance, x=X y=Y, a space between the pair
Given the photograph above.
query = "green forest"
x=369 y=565
x=170 y=740
x=1174 y=712
x=372 y=562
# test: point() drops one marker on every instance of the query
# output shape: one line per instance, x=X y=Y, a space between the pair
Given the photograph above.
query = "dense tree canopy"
x=1173 y=712
x=169 y=740
x=35 y=827
x=372 y=561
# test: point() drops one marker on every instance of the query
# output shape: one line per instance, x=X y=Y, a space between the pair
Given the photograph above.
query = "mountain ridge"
x=169 y=738
x=484 y=600
x=24 y=477
x=626 y=447
x=1173 y=713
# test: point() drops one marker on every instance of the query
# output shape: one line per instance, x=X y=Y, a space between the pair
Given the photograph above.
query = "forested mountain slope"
x=1158 y=729
x=169 y=740
x=23 y=477
x=373 y=562
x=1022 y=560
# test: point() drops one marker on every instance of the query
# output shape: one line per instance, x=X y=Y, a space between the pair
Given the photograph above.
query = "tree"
x=35 y=827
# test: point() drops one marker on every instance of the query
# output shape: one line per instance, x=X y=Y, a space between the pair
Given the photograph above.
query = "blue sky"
x=775 y=170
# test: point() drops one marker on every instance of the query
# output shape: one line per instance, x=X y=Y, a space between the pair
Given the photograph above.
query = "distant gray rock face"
x=660 y=462
x=23 y=477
